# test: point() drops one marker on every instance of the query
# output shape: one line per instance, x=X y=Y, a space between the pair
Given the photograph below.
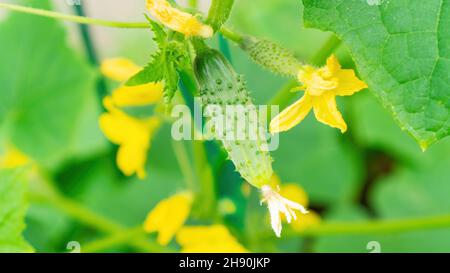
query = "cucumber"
x=220 y=86
x=271 y=56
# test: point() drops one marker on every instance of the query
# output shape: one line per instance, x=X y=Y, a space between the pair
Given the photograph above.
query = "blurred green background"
x=49 y=110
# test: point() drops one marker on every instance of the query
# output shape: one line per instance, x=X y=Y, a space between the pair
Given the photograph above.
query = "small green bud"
x=271 y=56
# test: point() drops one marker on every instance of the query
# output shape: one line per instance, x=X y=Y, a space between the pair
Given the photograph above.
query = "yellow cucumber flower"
x=169 y=216
x=208 y=239
x=321 y=86
x=140 y=95
x=132 y=134
x=178 y=20
x=119 y=69
x=13 y=158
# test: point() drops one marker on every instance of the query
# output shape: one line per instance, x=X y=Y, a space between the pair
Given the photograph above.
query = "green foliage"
x=373 y=127
x=34 y=53
x=374 y=172
x=171 y=56
x=407 y=193
x=13 y=206
x=401 y=52
x=219 y=12
x=315 y=154
x=428 y=187
x=281 y=21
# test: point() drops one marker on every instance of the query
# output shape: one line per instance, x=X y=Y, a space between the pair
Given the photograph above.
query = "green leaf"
x=44 y=86
x=48 y=228
x=13 y=207
x=402 y=50
x=159 y=35
x=172 y=54
x=152 y=72
x=373 y=127
x=411 y=193
x=219 y=12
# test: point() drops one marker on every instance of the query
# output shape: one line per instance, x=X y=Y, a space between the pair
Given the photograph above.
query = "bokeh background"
x=375 y=171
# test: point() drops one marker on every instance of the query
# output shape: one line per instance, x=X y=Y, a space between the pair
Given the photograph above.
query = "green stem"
x=92 y=55
x=92 y=219
x=115 y=239
x=193 y=4
x=225 y=48
x=219 y=12
x=73 y=18
x=48 y=194
x=205 y=175
x=326 y=50
x=284 y=96
x=376 y=227
x=184 y=163
x=231 y=35
x=120 y=238
x=206 y=203
x=226 y=32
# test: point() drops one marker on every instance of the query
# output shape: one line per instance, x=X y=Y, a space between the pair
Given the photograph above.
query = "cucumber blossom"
x=221 y=87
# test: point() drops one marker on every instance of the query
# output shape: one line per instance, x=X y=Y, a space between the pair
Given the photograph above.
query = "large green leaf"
x=415 y=193
x=405 y=194
x=402 y=50
x=373 y=127
x=44 y=85
x=13 y=206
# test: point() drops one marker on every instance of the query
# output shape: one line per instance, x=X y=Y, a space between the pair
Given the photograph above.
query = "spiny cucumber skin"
x=220 y=85
x=271 y=56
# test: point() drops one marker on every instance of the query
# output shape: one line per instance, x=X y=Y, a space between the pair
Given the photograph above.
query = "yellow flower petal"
x=114 y=127
x=169 y=216
x=132 y=134
x=325 y=110
x=316 y=81
x=295 y=193
x=140 y=95
x=131 y=159
x=208 y=239
x=333 y=65
x=321 y=85
x=292 y=115
x=13 y=158
x=349 y=84
x=177 y=20
x=119 y=69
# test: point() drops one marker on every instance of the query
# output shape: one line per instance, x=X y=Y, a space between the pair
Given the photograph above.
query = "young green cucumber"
x=224 y=91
